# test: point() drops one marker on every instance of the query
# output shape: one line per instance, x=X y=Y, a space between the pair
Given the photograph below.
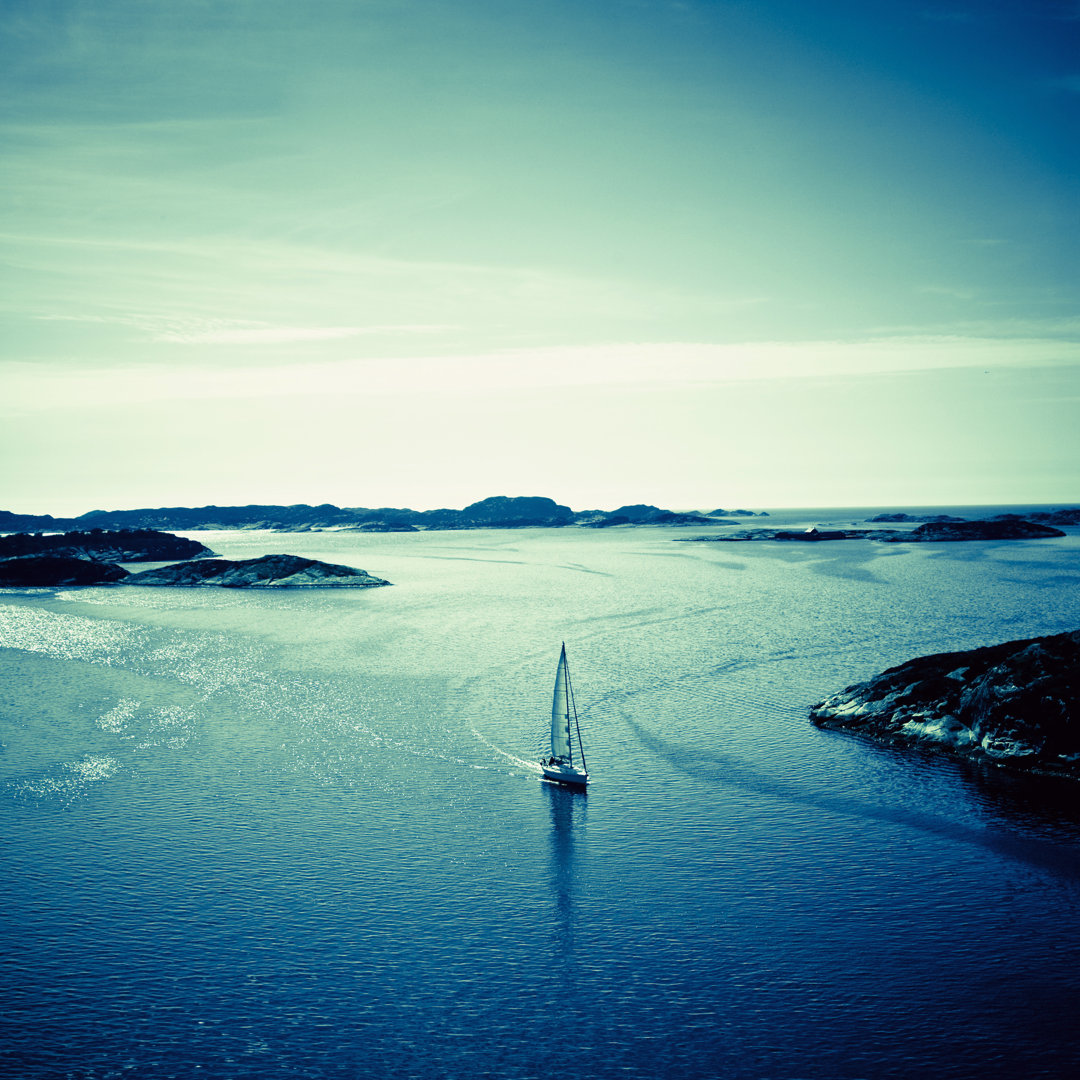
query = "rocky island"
x=123 y=545
x=268 y=572
x=953 y=529
x=91 y=558
x=1016 y=704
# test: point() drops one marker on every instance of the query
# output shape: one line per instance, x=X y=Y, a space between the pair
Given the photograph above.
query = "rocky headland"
x=268 y=572
x=1016 y=704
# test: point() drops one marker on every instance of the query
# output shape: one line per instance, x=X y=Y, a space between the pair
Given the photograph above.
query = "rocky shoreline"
x=1016 y=705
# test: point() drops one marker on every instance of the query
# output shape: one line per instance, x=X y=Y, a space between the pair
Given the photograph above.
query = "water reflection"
x=1046 y=805
x=567 y=815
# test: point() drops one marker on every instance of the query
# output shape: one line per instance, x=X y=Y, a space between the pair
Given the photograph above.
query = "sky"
x=693 y=253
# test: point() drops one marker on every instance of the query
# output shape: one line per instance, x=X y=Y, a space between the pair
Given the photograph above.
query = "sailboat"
x=562 y=767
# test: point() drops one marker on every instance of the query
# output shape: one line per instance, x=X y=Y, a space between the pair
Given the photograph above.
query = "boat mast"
x=571 y=706
x=567 y=701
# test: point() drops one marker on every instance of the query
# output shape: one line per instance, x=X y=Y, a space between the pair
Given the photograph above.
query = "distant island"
x=523 y=512
x=952 y=529
x=498 y=512
x=1015 y=704
x=1069 y=516
x=91 y=558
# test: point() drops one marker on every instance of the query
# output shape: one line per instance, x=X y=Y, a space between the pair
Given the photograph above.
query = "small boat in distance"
x=561 y=766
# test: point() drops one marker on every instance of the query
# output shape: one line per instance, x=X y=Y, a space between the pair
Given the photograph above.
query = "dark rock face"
x=1015 y=704
x=38 y=571
x=127 y=545
x=269 y=572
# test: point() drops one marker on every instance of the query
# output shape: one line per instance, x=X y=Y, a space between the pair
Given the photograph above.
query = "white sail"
x=560 y=712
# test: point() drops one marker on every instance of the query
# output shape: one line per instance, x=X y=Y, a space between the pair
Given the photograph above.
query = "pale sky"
x=415 y=253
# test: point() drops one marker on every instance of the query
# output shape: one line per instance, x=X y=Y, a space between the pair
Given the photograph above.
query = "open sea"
x=304 y=834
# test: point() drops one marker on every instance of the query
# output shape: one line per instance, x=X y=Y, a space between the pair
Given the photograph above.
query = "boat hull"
x=566 y=774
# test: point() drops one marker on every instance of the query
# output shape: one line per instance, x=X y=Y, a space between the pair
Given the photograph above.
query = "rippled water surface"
x=302 y=834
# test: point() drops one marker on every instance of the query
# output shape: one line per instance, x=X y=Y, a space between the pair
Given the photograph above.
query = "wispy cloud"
x=275 y=335
x=648 y=367
x=224 y=332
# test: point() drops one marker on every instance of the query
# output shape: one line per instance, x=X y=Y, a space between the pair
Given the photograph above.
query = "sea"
x=305 y=834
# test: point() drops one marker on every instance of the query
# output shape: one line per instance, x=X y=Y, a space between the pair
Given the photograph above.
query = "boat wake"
x=523 y=763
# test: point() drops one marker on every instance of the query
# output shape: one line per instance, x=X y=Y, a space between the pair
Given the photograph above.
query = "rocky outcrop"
x=269 y=572
x=126 y=545
x=1015 y=704
x=40 y=571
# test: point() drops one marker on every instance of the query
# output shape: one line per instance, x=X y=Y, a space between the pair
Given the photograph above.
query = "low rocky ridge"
x=268 y=572
x=1016 y=704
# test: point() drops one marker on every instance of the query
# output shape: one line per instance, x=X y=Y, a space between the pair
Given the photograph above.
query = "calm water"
x=303 y=835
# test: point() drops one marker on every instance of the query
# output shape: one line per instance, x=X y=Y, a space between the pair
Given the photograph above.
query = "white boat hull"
x=566 y=774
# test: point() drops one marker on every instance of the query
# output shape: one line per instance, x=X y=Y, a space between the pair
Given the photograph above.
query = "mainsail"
x=560 y=712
